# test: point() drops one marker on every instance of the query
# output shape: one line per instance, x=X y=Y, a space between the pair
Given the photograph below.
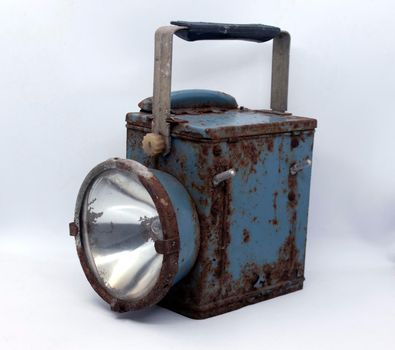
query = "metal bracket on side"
x=162 y=82
x=73 y=229
x=280 y=72
x=296 y=167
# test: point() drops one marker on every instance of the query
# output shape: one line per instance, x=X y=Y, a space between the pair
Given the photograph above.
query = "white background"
x=70 y=70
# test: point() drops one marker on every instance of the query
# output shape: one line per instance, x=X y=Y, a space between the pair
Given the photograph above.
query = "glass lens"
x=120 y=224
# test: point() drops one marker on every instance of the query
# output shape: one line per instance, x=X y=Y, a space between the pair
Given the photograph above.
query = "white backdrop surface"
x=70 y=70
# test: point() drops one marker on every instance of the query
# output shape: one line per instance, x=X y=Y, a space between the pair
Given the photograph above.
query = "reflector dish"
x=119 y=225
x=137 y=233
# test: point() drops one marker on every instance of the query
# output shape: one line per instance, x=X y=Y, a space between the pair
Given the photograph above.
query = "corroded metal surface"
x=247 y=171
x=230 y=125
x=253 y=227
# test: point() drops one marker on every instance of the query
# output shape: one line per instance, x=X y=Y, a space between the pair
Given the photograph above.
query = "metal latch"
x=73 y=229
x=167 y=246
x=296 y=167
x=225 y=175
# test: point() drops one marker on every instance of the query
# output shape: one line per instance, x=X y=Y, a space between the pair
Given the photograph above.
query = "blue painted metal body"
x=252 y=227
x=187 y=222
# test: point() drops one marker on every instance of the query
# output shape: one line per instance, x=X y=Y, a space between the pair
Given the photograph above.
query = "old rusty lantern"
x=208 y=213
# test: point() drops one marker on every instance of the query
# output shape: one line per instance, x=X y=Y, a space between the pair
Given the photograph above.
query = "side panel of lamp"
x=187 y=222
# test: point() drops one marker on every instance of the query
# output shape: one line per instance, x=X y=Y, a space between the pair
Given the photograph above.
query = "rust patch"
x=293 y=190
x=275 y=196
x=246 y=236
x=274 y=221
x=217 y=151
x=181 y=160
x=296 y=123
x=251 y=153
x=203 y=284
x=280 y=153
x=292 y=201
x=203 y=202
x=287 y=268
x=269 y=143
x=245 y=155
x=267 y=279
x=134 y=142
x=294 y=142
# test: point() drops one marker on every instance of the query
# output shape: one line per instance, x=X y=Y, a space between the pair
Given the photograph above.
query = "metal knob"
x=153 y=144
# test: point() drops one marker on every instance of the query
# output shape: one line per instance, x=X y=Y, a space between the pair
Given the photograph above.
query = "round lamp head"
x=133 y=233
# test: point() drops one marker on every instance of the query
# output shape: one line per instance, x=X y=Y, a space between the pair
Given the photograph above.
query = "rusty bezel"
x=168 y=221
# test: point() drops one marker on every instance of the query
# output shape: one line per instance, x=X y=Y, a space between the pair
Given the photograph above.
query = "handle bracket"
x=163 y=65
x=280 y=72
x=162 y=82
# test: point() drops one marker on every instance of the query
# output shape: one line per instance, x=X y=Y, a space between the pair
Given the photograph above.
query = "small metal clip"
x=167 y=246
x=73 y=229
x=296 y=167
x=225 y=175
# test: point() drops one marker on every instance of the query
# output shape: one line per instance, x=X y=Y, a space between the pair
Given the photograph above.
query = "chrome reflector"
x=119 y=224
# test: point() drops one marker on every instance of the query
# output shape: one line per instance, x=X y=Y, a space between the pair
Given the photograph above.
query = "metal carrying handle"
x=219 y=31
x=192 y=31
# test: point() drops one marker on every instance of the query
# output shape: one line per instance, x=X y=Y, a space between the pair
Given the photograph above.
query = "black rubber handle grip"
x=219 y=31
